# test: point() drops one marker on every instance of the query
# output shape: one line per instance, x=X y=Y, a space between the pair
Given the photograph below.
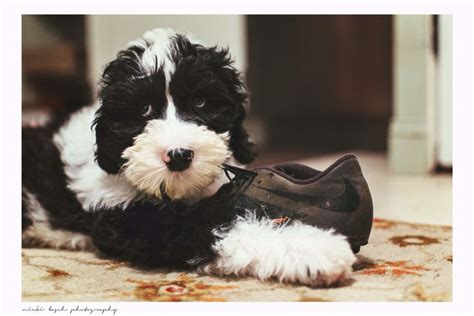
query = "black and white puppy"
x=169 y=114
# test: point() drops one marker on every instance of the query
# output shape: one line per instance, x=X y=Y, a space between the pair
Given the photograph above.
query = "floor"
x=402 y=262
x=410 y=198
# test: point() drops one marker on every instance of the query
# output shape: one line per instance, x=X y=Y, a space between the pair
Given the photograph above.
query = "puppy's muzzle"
x=179 y=159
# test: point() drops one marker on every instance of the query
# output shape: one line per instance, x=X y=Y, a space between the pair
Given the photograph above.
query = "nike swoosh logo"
x=346 y=202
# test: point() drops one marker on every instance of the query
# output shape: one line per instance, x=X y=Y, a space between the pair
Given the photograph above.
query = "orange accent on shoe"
x=280 y=220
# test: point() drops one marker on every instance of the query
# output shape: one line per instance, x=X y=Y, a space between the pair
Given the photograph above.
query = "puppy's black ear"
x=115 y=84
x=105 y=153
x=243 y=150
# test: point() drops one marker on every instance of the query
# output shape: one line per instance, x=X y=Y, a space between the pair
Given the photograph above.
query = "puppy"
x=131 y=175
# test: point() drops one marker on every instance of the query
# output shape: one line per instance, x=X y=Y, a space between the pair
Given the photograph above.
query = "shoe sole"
x=357 y=241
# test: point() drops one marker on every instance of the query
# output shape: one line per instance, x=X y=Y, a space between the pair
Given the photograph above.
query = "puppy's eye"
x=146 y=110
x=198 y=101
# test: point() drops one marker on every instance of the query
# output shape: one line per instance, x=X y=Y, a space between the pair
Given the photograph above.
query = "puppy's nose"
x=179 y=159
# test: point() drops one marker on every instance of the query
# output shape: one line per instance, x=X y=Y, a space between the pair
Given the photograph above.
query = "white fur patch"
x=290 y=253
x=94 y=188
x=146 y=169
x=157 y=45
x=41 y=234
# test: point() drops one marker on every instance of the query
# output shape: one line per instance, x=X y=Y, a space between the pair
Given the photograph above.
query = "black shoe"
x=337 y=198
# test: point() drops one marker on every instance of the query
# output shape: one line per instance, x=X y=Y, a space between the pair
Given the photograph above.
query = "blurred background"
x=320 y=86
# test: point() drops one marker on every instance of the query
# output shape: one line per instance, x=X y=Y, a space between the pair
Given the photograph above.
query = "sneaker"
x=337 y=197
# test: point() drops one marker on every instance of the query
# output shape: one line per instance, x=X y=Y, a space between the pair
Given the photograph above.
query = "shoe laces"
x=241 y=176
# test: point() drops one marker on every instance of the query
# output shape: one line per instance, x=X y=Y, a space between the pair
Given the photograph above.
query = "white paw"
x=290 y=253
x=320 y=258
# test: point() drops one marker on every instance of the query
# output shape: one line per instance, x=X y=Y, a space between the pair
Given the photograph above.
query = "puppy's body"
x=98 y=180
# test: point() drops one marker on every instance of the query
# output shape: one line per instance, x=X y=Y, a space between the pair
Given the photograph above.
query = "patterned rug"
x=403 y=262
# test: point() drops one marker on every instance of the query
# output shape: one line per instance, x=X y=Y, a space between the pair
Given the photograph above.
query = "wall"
x=412 y=129
x=444 y=119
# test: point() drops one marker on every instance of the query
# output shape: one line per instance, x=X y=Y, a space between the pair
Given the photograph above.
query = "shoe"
x=337 y=197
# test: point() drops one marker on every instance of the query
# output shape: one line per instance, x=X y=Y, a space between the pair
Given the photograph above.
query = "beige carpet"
x=403 y=262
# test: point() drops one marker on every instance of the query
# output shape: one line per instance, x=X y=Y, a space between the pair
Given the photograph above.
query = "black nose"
x=180 y=159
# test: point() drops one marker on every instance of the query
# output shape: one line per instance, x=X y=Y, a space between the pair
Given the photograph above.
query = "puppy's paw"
x=322 y=259
x=296 y=253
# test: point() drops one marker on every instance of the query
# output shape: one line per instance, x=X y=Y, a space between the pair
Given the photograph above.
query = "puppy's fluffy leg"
x=290 y=253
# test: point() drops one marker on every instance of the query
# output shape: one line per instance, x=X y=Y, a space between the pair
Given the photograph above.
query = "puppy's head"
x=171 y=114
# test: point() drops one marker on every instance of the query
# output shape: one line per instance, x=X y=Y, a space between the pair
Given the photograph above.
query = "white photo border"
x=10 y=158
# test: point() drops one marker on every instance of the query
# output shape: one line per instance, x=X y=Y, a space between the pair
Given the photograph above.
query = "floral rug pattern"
x=402 y=262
